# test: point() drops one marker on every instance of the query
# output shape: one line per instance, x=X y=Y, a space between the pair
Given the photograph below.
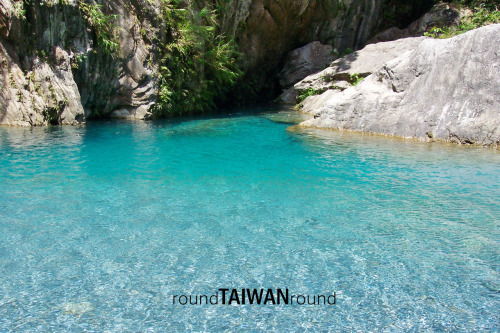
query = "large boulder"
x=43 y=95
x=267 y=30
x=344 y=72
x=38 y=85
x=53 y=71
x=304 y=61
x=447 y=90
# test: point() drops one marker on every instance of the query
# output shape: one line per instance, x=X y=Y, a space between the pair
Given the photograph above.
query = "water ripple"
x=100 y=225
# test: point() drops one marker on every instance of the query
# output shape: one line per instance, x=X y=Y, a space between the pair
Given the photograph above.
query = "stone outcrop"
x=445 y=90
x=33 y=91
x=302 y=62
x=51 y=72
x=441 y=15
x=42 y=95
x=267 y=30
x=344 y=72
x=124 y=85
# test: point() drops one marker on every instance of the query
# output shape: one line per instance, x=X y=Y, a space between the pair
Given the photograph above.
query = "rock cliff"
x=446 y=89
x=53 y=69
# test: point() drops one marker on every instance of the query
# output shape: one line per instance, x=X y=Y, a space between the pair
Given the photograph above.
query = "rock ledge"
x=446 y=90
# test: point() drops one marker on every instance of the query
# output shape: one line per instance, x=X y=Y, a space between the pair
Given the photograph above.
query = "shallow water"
x=100 y=225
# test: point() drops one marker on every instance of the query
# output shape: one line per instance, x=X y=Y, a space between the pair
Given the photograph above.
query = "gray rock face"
x=304 y=61
x=37 y=87
x=342 y=73
x=51 y=72
x=123 y=86
x=441 y=15
x=300 y=63
x=41 y=95
x=267 y=30
x=440 y=89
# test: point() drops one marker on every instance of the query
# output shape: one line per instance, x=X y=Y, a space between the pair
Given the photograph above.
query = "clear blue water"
x=100 y=225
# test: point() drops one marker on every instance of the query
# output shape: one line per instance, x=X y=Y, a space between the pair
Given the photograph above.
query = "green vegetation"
x=103 y=26
x=480 y=13
x=18 y=10
x=347 y=51
x=435 y=32
x=198 y=63
x=306 y=93
x=343 y=53
x=78 y=59
x=355 y=79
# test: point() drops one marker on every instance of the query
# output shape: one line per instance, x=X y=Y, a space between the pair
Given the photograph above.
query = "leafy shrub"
x=482 y=13
x=347 y=51
x=435 y=32
x=198 y=63
x=103 y=26
x=355 y=79
x=306 y=93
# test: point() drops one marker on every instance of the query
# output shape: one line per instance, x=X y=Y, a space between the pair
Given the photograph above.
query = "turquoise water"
x=100 y=225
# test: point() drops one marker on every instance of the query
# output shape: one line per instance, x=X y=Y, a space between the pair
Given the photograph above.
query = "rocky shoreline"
x=445 y=90
x=54 y=72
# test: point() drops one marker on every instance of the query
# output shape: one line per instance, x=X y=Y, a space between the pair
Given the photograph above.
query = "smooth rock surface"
x=339 y=75
x=305 y=61
x=441 y=89
x=45 y=94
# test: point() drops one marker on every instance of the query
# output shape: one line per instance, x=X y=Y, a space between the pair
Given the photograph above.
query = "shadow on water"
x=221 y=113
x=100 y=129
x=227 y=122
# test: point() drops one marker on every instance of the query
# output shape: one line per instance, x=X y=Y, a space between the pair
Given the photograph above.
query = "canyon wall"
x=54 y=71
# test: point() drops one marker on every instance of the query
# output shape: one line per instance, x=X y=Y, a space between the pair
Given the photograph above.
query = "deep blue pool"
x=101 y=225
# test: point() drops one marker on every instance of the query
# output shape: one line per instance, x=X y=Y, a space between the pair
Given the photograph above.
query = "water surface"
x=100 y=225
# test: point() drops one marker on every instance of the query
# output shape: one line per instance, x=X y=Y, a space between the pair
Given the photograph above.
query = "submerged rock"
x=446 y=89
x=77 y=308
